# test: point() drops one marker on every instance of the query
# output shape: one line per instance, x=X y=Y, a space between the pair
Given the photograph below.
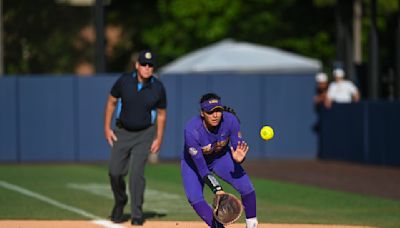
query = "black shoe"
x=117 y=214
x=137 y=221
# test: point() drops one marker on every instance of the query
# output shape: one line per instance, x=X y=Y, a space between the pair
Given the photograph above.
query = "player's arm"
x=108 y=113
x=208 y=178
x=239 y=147
x=193 y=148
x=213 y=184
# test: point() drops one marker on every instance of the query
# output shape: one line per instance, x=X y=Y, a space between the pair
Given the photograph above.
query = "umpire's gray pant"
x=133 y=148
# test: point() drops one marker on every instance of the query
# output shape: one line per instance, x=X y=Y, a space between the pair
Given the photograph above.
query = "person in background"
x=341 y=90
x=140 y=102
x=321 y=90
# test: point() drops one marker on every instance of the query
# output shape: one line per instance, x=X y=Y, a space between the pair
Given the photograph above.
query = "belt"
x=120 y=125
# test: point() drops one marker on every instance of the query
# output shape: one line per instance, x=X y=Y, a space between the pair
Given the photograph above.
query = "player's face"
x=145 y=71
x=212 y=119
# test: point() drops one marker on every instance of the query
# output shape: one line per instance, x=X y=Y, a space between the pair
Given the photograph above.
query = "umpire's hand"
x=155 y=146
x=110 y=136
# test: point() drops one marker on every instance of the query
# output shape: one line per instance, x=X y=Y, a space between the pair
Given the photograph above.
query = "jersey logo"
x=215 y=147
x=219 y=145
x=239 y=134
x=192 y=151
x=207 y=149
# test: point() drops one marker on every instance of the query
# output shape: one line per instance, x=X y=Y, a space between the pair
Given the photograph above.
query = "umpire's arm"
x=108 y=113
x=161 y=119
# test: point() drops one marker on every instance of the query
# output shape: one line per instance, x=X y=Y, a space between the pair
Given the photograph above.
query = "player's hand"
x=155 y=146
x=240 y=153
x=110 y=136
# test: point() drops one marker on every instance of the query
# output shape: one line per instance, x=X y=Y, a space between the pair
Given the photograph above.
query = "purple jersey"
x=203 y=147
x=209 y=152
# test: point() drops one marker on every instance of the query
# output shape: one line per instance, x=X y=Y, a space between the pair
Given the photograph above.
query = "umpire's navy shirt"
x=137 y=104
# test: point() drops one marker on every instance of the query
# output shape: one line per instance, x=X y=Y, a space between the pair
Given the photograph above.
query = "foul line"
x=96 y=219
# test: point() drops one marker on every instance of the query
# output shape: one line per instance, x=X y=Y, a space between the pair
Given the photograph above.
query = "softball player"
x=214 y=145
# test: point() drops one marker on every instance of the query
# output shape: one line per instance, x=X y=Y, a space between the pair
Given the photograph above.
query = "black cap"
x=146 y=56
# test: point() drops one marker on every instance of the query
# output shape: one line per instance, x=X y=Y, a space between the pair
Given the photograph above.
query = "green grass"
x=277 y=202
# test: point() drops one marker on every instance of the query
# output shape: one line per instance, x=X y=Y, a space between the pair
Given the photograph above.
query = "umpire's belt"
x=119 y=124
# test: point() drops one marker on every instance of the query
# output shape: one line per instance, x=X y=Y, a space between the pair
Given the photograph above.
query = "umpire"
x=139 y=100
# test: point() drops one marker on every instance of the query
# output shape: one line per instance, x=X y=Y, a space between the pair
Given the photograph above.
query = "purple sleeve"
x=236 y=135
x=192 y=141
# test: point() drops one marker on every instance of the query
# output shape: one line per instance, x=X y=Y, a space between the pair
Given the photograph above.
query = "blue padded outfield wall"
x=282 y=101
x=8 y=120
x=52 y=118
x=61 y=118
x=365 y=132
x=46 y=118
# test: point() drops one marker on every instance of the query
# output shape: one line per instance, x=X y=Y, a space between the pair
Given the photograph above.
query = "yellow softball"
x=267 y=133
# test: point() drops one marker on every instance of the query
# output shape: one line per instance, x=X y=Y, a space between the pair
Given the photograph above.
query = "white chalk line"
x=157 y=201
x=95 y=219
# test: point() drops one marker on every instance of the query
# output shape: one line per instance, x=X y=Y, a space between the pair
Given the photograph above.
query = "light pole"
x=357 y=17
x=373 y=79
x=1 y=40
x=100 y=41
x=398 y=52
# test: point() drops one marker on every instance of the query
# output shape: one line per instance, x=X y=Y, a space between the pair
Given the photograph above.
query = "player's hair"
x=231 y=110
x=209 y=96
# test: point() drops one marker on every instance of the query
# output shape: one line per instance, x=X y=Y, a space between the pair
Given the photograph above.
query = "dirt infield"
x=370 y=180
x=150 y=224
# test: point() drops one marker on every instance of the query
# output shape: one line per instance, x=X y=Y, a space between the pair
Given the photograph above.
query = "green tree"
x=297 y=26
x=288 y=24
x=307 y=27
x=46 y=39
x=190 y=24
x=39 y=36
x=135 y=17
